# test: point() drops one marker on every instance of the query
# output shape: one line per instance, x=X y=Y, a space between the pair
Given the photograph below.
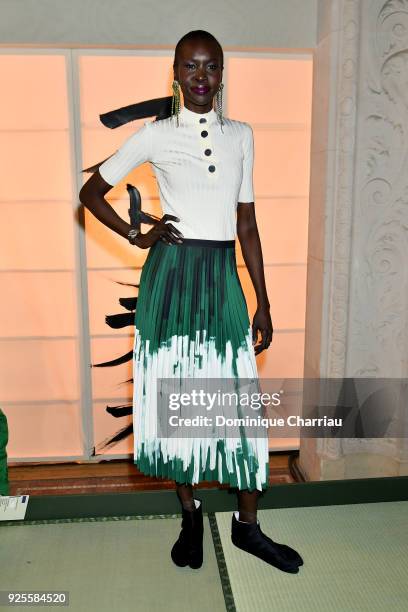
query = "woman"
x=191 y=317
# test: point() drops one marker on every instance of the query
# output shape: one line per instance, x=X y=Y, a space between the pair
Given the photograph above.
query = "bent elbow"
x=84 y=196
x=81 y=195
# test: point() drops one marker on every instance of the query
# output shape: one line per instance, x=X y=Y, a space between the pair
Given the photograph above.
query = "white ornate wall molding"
x=377 y=343
x=347 y=15
x=359 y=193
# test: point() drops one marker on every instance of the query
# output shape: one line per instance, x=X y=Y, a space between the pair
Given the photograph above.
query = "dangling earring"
x=175 y=103
x=218 y=104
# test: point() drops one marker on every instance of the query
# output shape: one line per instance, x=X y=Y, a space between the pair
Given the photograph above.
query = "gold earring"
x=218 y=104
x=175 y=103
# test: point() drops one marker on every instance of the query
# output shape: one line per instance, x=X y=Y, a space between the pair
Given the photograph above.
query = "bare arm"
x=247 y=231
x=92 y=197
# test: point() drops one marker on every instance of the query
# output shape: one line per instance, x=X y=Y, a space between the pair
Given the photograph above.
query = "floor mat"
x=355 y=560
x=110 y=564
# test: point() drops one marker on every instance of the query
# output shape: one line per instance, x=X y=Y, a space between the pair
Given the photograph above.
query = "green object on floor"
x=4 y=483
x=354 y=560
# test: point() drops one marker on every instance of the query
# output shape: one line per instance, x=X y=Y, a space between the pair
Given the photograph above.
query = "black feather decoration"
x=119 y=411
x=135 y=205
x=136 y=214
x=118 y=321
x=119 y=360
x=120 y=435
x=161 y=107
x=128 y=303
x=127 y=284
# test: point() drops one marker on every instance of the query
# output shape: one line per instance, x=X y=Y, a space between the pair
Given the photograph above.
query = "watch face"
x=132 y=234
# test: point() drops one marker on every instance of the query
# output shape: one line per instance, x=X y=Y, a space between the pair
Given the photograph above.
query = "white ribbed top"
x=182 y=158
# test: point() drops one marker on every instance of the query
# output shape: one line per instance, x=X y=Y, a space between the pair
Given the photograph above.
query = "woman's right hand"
x=160 y=231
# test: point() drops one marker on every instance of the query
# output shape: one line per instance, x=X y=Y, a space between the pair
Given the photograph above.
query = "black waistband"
x=209 y=243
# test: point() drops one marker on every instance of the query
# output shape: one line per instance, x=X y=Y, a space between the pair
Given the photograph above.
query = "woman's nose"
x=200 y=74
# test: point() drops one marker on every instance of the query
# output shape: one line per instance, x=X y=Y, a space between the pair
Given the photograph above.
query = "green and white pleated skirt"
x=192 y=321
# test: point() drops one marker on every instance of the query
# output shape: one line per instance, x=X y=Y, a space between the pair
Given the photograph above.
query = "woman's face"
x=199 y=72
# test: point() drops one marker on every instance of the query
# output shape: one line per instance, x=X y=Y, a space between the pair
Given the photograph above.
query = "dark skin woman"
x=198 y=64
x=198 y=68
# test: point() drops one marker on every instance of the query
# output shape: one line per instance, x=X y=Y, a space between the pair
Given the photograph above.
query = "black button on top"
x=204 y=133
x=203 y=120
x=211 y=168
x=207 y=152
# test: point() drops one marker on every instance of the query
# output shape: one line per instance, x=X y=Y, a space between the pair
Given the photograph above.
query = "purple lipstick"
x=200 y=90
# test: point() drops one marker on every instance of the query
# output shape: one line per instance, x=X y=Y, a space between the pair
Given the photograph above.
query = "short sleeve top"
x=202 y=169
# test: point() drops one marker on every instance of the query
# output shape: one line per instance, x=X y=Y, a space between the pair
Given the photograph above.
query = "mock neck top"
x=203 y=170
x=190 y=117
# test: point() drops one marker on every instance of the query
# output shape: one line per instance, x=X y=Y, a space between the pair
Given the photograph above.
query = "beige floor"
x=119 y=565
x=355 y=560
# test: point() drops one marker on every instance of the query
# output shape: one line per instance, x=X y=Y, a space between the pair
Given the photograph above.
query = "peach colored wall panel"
x=40 y=386
x=39 y=356
x=49 y=430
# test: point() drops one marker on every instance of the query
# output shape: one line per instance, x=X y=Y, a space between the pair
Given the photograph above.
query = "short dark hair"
x=197 y=35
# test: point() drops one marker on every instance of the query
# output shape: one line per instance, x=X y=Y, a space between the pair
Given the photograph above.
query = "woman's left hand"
x=262 y=323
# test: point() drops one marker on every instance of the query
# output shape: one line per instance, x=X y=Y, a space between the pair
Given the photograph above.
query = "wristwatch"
x=133 y=232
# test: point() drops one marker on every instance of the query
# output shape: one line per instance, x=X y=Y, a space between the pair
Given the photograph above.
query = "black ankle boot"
x=249 y=537
x=188 y=550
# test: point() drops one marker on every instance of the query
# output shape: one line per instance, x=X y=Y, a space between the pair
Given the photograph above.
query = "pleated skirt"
x=192 y=321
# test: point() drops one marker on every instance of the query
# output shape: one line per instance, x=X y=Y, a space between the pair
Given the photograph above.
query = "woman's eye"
x=210 y=66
